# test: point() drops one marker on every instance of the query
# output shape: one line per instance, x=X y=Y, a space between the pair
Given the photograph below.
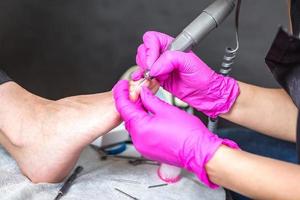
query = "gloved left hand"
x=167 y=134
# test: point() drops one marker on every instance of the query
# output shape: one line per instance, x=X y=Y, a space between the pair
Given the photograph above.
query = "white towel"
x=98 y=180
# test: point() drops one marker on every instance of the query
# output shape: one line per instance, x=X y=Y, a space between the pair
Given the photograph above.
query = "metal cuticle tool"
x=126 y=194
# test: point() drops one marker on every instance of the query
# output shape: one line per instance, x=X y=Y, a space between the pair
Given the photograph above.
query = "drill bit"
x=146 y=78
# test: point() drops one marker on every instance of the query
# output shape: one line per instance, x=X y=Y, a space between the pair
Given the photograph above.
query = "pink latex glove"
x=185 y=75
x=167 y=134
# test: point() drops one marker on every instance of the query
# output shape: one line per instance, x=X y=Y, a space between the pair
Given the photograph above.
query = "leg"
x=254 y=142
x=46 y=137
x=263 y=145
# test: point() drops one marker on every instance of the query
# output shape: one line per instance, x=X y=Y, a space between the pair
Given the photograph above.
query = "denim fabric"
x=259 y=144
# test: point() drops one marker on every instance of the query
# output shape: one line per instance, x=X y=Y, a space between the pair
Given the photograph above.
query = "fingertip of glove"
x=148 y=34
x=152 y=73
x=137 y=75
x=230 y=144
x=121 y=85
x=145 y=91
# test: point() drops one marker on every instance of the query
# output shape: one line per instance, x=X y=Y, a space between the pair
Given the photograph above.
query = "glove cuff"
x=203 y=176
x=198 y=162
x=220 y=96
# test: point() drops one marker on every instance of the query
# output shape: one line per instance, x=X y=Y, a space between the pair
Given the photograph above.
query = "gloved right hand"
x=167 y=134
x=185 y=75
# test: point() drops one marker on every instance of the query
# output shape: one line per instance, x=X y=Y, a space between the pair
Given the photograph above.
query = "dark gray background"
x=58 y=48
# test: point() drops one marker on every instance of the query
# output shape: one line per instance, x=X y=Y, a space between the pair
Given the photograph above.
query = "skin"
x=272 y=112
x=46 y=137
x=136 y=86
x=268 y=111
x=248 y=173
x=254 y=176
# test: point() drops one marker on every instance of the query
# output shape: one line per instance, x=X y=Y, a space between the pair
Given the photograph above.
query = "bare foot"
x=46 y=137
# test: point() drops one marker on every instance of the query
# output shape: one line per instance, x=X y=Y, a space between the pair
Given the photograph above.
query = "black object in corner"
x=4 y=77
x=283 y=59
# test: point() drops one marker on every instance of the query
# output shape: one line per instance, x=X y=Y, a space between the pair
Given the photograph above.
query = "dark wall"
x=57 y=48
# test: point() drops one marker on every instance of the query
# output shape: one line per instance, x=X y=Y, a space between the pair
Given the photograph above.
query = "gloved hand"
x=167 y=134
x=185 y=75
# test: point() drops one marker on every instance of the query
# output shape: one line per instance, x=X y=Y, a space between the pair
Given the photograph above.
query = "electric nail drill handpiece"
x=208 y=20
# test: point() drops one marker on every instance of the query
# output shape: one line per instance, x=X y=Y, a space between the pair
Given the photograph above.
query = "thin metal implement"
x=141 y=161
x=68 y=183
x=146 y=78
x=125 y=180
x=142 y=82
x=128 y=195
x=159 y=185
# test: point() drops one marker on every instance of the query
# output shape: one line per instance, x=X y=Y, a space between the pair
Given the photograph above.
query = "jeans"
x=259 y=144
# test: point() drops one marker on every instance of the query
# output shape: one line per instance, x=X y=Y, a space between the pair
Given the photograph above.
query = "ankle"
x=18 y=109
